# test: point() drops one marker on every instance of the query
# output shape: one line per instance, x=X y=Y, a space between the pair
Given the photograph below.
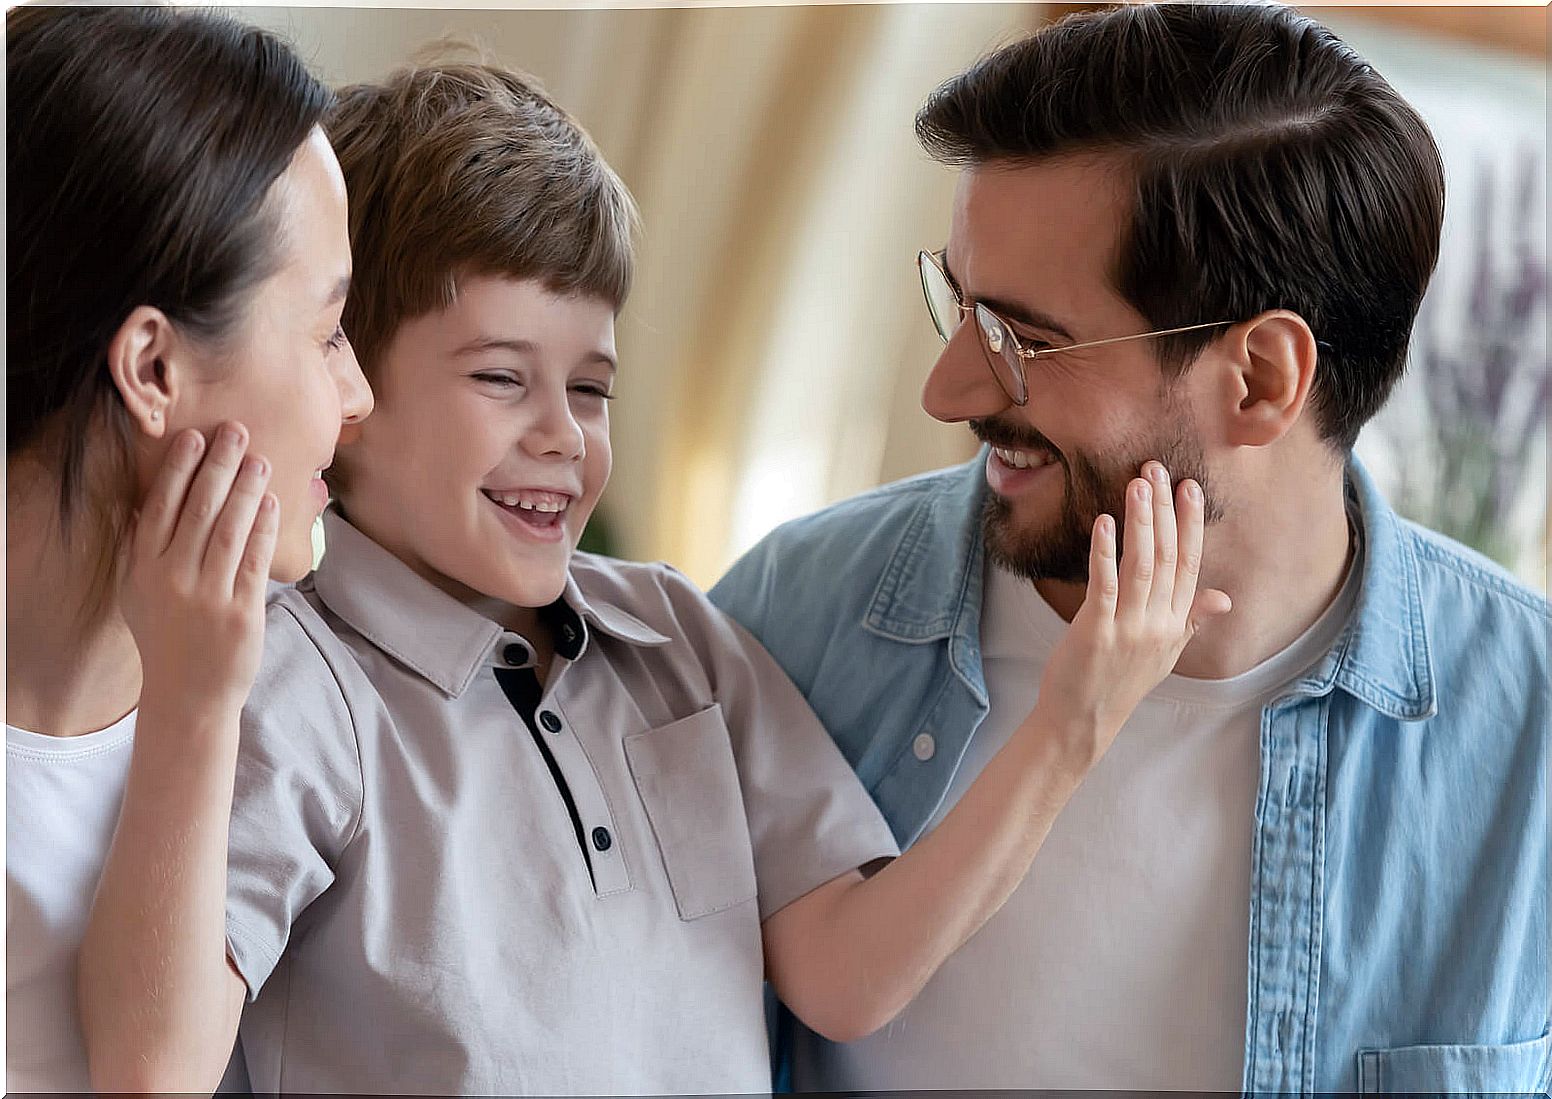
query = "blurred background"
x=776 y=342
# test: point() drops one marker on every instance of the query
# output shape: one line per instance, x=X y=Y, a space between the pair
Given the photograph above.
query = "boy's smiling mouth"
x=531 y=511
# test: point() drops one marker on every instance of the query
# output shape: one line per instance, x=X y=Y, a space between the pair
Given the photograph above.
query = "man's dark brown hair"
x=1273 y=168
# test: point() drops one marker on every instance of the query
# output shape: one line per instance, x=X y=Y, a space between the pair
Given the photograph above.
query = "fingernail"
x=191 y=442
x=258 y=465
x=1194 y=491
x=1144 y=492
x=1157 y=472
x=231 y=435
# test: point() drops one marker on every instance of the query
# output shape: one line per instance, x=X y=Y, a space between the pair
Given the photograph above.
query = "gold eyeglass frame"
x=992 y=330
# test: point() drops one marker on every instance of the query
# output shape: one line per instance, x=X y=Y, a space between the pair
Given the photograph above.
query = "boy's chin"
x=291 y=563
x=531 y=589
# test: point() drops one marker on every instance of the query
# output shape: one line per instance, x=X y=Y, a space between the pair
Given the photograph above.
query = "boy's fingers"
x=207 y=493
x=229 y=539
x=1210 y=603
x=253 y=568
x=1190 y=509
x=1137 y=555
x=1165 y=544
x=1104 y=585
x=159 y=512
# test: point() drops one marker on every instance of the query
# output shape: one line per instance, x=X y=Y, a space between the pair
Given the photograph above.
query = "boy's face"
x=490 y=442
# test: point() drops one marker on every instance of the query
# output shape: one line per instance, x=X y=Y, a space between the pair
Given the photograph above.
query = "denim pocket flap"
x=1520 y=1067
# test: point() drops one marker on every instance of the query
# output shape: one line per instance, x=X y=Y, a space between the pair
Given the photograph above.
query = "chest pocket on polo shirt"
x=1524 y=1067
x=688 y=783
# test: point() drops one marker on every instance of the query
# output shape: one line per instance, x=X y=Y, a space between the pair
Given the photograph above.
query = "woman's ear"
x=1274 y=357
x=139 y=358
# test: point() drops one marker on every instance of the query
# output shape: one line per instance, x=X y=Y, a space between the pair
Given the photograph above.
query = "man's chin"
x=1033 y=549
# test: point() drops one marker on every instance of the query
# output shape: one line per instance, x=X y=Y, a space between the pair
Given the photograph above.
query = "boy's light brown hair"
x=466 y=168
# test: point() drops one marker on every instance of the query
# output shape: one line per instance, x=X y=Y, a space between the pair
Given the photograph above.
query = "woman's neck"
x=66 y=673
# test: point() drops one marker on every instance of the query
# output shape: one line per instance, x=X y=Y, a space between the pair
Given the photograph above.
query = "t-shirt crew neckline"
x=36 y=745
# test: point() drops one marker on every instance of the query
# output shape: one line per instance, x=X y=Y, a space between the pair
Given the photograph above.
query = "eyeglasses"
x=1004 y=354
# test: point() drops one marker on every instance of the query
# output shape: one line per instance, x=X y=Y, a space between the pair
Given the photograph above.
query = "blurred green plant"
x=598 y=536
x=1485 y=377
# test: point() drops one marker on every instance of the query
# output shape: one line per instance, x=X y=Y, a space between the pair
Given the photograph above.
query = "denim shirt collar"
x=1383 y=656
x=931 y=590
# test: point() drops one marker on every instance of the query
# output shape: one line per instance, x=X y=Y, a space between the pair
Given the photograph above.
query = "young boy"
x=507 y=818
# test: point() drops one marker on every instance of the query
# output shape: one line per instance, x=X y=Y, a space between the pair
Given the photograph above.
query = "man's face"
x=1035 y=245
x=490 y=444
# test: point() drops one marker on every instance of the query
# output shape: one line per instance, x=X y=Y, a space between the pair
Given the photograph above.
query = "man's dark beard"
x=1060 y=551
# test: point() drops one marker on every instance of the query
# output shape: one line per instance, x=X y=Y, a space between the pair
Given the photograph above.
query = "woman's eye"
x=592 y=389
x=501 y=380
x=337 y=340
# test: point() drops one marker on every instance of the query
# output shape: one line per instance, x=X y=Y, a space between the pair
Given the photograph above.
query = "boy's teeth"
x=538 y=501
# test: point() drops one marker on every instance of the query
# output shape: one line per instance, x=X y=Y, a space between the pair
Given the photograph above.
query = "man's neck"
x=1282 y=561
x=63 y=676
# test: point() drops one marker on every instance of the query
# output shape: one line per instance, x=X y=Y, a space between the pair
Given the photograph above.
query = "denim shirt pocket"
x=688 y=781
x=1520 y=1067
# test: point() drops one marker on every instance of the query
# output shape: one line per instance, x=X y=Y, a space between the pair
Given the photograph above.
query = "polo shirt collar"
x=427 y=630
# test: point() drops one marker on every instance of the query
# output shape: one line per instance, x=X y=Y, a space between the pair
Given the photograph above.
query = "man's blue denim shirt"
x=1398 y=922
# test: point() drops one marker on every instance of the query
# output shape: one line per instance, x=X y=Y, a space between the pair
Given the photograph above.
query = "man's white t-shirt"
x=1120 y=962
x=62 y=797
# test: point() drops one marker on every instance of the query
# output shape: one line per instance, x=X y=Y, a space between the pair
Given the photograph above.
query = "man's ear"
x=142 y=360
x=1273 y=355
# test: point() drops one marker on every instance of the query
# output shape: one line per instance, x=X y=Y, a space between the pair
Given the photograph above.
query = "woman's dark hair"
x=141 y=143
x=1273 y=169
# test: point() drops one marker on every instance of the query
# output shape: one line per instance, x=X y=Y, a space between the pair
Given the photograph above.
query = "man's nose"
x=961 y=385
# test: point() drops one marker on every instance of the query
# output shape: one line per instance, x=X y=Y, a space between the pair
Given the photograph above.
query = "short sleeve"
x=297 y=797
x=810 y=818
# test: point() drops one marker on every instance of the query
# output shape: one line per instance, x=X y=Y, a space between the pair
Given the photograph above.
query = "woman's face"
x=292 y=380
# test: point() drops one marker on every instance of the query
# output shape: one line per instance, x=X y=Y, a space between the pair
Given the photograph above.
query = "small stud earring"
x=156 y=414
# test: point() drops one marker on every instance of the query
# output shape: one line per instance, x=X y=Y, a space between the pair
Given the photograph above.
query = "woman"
x=176 y=381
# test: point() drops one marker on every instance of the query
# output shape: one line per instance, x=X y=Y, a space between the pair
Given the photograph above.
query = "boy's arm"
x=848 y=956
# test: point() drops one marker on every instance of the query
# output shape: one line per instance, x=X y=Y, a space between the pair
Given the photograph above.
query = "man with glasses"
x=1316 y=857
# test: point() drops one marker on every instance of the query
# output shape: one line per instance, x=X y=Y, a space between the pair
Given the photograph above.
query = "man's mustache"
x=1013 y=436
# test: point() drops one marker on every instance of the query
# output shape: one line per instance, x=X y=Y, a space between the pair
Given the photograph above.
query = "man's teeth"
x=530 y=501
x=1024 y=459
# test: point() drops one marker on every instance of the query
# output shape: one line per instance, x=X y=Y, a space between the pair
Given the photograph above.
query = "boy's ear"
x=1274 y=359
x=141 y=362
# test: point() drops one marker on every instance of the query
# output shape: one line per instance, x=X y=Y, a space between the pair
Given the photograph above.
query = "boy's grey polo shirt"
x=407 y=897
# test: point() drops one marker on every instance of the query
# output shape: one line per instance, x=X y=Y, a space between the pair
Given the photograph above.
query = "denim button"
x=548 y=719
x=602 y=839
x=924 y=747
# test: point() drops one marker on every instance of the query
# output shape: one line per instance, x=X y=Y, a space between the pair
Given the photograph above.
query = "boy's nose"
x=356 y=401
